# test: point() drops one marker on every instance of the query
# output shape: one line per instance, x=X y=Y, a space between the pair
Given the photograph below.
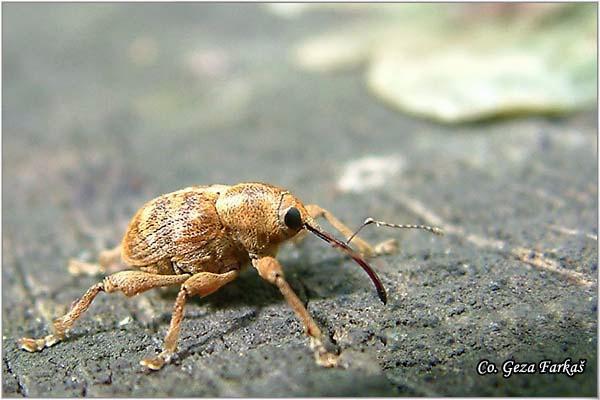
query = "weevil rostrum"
x=201 y=237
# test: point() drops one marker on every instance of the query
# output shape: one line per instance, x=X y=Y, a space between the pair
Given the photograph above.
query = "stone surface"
x=108 y=105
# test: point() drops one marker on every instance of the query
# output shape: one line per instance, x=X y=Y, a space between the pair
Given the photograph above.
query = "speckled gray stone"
x=90 y=134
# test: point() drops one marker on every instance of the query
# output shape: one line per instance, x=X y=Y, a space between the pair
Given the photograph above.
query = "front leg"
x=270 y=270
x=389 y=246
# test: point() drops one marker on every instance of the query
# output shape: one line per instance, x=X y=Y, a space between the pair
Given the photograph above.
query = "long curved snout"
x=355 y=256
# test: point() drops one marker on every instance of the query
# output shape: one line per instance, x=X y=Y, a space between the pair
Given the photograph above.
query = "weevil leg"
x=389 y=246
x=270 y=270
x=128 y=282
x=201 y=284
x=109 y=261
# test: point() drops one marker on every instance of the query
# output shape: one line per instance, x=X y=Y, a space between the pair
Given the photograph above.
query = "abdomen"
x=182 y=227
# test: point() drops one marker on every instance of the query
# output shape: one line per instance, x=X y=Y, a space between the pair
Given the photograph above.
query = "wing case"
x=181 y=226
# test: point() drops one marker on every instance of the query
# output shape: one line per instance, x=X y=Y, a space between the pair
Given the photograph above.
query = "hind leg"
x=128 y=282
x=109 y=261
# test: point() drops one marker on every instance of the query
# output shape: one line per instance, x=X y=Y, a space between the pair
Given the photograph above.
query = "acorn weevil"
x=201 y=237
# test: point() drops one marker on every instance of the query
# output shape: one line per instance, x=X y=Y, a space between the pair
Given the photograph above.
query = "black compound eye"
x=293 y=219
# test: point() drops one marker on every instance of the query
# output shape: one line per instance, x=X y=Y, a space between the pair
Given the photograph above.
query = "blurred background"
x=481 y=118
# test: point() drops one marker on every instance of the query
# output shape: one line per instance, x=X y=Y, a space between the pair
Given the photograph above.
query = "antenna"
x=433 y=229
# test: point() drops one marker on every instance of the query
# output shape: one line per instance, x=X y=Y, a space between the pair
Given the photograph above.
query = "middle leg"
x=201 y=284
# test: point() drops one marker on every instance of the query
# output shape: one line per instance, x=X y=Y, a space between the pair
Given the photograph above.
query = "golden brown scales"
x=200 y=237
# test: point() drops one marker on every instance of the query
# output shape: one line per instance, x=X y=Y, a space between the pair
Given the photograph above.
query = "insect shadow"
x=201 y=344
x=324 y=279
x=251 y=291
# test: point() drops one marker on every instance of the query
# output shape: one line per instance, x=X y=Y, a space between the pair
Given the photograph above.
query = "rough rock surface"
x=108 y=105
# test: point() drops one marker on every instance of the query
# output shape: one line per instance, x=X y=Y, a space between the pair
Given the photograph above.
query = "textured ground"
x=106 y=106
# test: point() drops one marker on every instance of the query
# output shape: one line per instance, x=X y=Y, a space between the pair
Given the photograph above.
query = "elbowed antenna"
x=433 y=229
x=359 y=260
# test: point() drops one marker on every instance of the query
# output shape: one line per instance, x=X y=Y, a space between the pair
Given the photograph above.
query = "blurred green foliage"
x=464 y=62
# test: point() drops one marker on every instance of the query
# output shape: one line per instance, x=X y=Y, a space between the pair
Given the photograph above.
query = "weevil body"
x=200 y=238
x=213 y=229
